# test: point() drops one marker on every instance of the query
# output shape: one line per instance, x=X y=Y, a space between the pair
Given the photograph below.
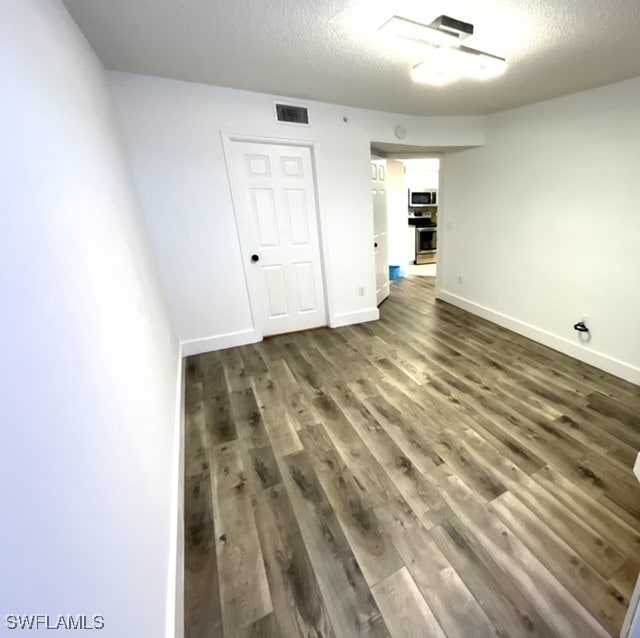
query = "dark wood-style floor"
x=429 y=474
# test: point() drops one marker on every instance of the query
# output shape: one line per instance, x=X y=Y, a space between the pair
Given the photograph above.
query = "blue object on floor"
x=394 y=273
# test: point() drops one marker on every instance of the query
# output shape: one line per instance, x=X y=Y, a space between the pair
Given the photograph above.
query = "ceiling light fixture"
x=446 y=60
x=443 y=31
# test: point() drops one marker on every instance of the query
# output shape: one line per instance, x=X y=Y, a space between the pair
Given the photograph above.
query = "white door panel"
x=264 y=216
x=296 y=203
x=380 y=236
x=274 y=197
x=258 y=165
x=305 y=287
x=277 y=291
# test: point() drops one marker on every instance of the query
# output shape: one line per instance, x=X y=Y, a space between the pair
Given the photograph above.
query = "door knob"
x=375 y=244
x=255 y=258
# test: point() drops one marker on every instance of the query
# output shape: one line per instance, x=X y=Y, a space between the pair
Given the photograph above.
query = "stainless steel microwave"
x=423 y=198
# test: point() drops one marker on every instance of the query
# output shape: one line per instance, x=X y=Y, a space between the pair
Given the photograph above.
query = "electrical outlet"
x=361 y=291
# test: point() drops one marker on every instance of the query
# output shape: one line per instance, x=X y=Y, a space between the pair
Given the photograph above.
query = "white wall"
x=89 y=359
x=542 y=224
x=173 y=131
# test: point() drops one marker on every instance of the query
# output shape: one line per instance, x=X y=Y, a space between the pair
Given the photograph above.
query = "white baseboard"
x=631 y=624
x=219 y=342
x=347 y=318
x=175 y=576
x=592 y=357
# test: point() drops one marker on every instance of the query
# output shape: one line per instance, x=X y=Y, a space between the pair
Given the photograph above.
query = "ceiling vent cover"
x=295 y=114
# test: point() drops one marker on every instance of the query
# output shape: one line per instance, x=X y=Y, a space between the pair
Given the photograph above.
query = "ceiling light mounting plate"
x=458 y=28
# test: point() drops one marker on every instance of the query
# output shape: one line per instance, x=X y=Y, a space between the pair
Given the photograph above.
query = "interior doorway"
x=413 y=198
x=422 y=184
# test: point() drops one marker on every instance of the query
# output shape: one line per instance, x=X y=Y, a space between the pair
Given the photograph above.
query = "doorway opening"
x=413 y=207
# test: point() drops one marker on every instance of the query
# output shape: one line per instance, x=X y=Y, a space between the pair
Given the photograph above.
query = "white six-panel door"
x=379 y=195
x=274 y=197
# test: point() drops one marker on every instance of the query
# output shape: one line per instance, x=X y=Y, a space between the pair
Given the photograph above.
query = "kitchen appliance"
x=426 y=244
x=422 y=197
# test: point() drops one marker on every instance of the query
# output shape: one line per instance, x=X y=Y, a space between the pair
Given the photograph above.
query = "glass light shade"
x=410 y=30
x=445 y=65
x=486 y=66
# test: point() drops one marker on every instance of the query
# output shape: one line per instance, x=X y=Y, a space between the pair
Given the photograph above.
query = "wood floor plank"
x=244 y=589
x=277 y=419
x=535 y=431
x=299 y=609
x=545 y=597
x=369 y=542
x=265 y=627
x=363 y=389
x=416 y=407
x=555 y=364
x=217 y=404
x=611 y=528
x=403 y=607
x=619 y=483
x=600 y=554
x=261 y=468
x=419 y=494
x=546 y=440
x=430 y=473
x=457 y=611
x=248 y=420
x=310 y=382
x=362 y=463
x=202 y=607
x=296 y=400
x=254 y=364
x=620 y=512
x=483 y=482
x=409 y=438
x=625 y=579
x=341 y=353
x=236 y=374
x=609 y=406
x=398 y=374
x=192 y=374
x=506 y=608
x=348 y=600
x=602 y=599
x=493 y=426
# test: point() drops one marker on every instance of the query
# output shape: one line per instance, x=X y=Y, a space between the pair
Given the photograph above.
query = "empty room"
x=320 y=319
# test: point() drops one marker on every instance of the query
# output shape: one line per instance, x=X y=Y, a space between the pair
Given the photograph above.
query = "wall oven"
x=426 y=244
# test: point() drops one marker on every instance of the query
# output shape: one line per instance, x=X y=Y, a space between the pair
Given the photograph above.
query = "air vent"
x=295 y=114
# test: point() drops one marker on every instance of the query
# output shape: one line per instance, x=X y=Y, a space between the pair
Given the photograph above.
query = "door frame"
x=376 y=181
x=228 y=138
x=439 y=155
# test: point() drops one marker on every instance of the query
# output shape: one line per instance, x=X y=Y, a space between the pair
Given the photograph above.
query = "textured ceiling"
x=329 y=50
